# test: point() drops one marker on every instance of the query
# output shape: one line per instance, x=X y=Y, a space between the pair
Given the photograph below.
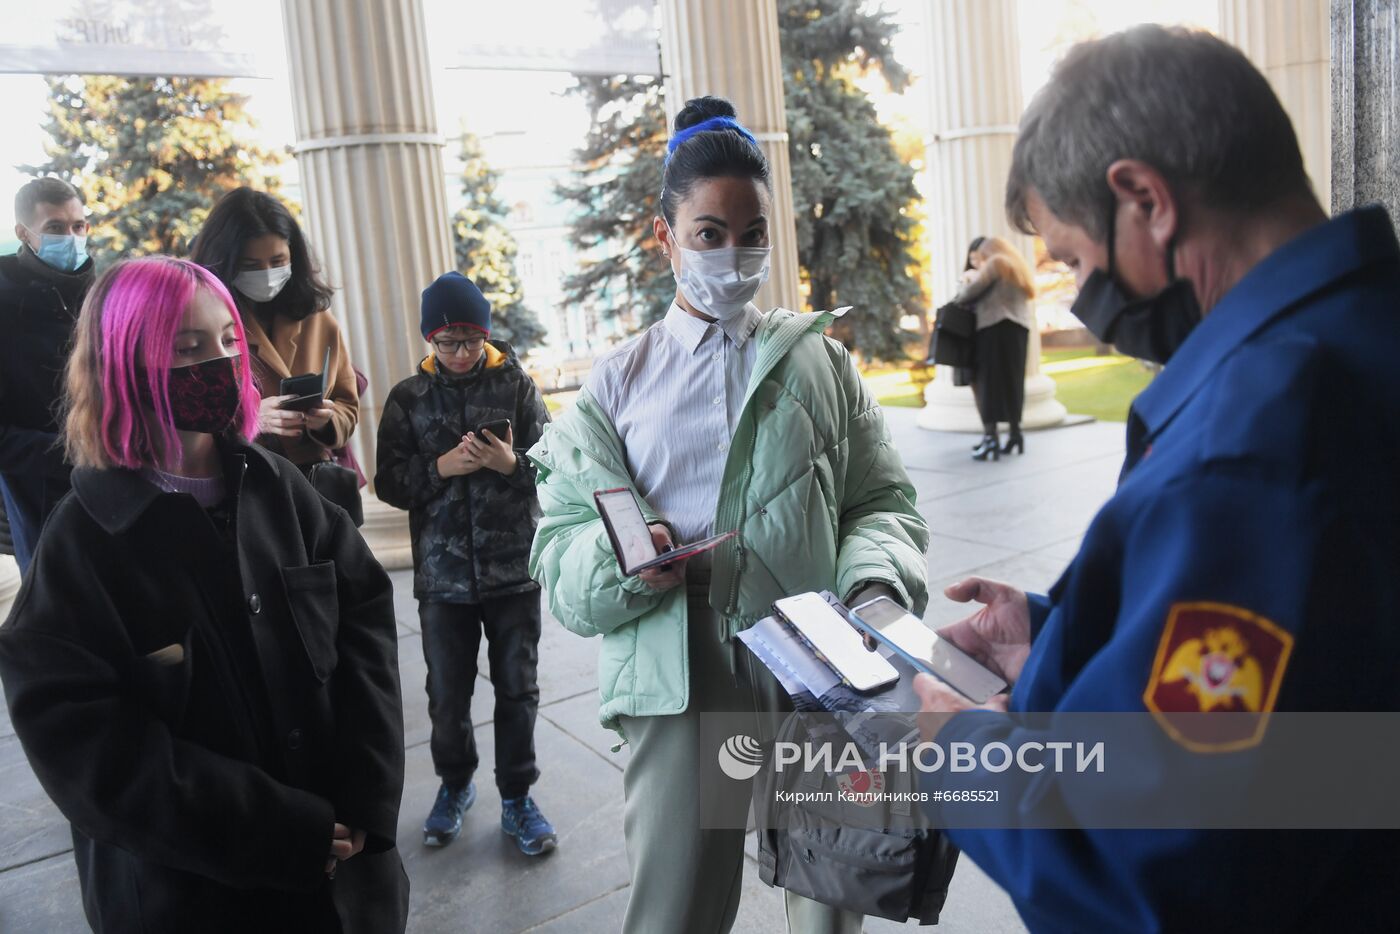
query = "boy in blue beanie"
x=470 y=496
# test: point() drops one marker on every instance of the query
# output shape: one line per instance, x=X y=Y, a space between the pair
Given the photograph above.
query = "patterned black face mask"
x=205 y=396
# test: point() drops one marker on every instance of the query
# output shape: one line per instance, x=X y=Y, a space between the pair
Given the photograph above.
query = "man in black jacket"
x=41 y=289
x=470 y=495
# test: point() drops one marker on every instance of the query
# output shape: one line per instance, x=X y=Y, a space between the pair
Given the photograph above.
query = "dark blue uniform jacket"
x=1262 y=482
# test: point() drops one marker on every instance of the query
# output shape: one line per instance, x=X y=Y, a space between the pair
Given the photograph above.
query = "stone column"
x=1288 y=42
x=375 y=203
x=974 y=106
x=729 y=48
x=1366 y=105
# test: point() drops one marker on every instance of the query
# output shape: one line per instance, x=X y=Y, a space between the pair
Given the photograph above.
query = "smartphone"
x=836 y=641
x=906 y=634
x=303 y=403
x=631 y=536
x=499 y=428
x=309 y=389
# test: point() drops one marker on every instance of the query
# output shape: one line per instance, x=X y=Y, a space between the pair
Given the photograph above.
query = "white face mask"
x=719 y=283
x=263 y=285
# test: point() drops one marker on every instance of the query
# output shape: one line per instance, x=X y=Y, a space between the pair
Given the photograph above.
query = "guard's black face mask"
x=1149 y=328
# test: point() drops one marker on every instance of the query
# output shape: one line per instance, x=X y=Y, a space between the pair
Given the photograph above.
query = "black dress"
x=999 y=380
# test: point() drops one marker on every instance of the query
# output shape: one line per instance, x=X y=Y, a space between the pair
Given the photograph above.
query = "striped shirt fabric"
x=674 y=393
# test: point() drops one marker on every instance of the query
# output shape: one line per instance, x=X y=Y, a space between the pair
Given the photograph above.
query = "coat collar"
x=1306 y=265
x=116 y=497
x=496 y=354
x=276 y=349
x=72 y=285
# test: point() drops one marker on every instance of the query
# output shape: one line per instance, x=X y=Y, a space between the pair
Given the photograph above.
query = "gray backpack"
x=880 y=858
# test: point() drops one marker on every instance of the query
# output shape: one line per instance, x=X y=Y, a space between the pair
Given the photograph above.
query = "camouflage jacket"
x=472 y=534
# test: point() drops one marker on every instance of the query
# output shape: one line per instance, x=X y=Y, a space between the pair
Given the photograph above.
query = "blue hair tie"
x=714 y=123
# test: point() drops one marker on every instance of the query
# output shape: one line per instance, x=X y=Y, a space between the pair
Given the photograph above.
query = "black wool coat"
x=38 y=308
x=203 y=710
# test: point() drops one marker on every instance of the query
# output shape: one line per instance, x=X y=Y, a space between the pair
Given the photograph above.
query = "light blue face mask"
x=64 y=252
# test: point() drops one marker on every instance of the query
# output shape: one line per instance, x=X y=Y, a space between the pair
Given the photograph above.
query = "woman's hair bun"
x=700 y=109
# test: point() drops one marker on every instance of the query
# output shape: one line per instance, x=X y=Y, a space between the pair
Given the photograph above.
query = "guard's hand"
x=999 y=634
x=275 y=420
x=940 y=702
x=663 y=578
x=458 y=462
x=496 y=453
x=319 y=417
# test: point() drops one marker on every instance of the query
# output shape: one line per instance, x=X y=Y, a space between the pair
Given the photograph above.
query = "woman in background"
x=252 y=243
x=998 y=285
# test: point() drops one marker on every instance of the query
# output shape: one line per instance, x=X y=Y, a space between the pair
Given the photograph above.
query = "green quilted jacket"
x=818 y=493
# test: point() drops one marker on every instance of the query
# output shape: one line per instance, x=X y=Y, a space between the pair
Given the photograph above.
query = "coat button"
x=294 y=739
x=255 y=604
x=763 y=510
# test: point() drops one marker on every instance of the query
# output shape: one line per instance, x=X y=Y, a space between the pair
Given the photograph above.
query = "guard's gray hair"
x=1181 y=100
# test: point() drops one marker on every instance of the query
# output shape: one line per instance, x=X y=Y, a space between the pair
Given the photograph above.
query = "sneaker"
x=521 y=819
x=445 y=821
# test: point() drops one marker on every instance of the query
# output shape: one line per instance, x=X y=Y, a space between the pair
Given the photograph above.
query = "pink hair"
x=131 y=320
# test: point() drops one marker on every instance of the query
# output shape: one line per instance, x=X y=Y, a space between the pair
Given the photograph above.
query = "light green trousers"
x=686 y=879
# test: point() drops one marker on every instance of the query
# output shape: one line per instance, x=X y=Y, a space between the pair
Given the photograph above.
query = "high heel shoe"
x=990 y=447
x=1017 y=441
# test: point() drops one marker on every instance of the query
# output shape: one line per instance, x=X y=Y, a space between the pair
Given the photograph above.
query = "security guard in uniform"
x=1250 y=559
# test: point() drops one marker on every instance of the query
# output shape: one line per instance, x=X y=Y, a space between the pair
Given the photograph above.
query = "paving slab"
x=31 y=827
x=1027 y=513
x=42 y=898
x=952 y=451
x=1064 y=550
x=1034 y=573
x=482 y=882
x=578 y=717
x=604 y=913
x=405 y=607
x=949 y=556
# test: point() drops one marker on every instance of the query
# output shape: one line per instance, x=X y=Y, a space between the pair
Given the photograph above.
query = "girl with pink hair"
x=201 y=665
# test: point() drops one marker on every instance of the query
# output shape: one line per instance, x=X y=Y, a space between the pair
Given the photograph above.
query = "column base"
x=9 y=584
x=386 y=532
x=951 y=408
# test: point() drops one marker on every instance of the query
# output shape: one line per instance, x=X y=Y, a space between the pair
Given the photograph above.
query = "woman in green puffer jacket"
x=720 y=418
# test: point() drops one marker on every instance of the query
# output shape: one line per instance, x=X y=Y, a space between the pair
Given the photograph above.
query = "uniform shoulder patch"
x=1216 y=658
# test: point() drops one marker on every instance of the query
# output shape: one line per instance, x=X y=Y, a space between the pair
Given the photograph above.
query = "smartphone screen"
x=631 y=537
x=836 y=641
x=922 y=648
x=498 y=428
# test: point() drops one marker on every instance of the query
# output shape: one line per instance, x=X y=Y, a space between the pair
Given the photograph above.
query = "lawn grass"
x=1104 y=392
x=1085 y=383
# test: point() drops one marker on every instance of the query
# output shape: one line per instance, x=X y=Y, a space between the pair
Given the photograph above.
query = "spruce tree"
x=486 y=250
x=615 y=194
x=151 y=155
x=853 y=196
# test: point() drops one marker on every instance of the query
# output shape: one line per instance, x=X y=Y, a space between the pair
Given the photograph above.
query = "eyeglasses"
x=451 y=347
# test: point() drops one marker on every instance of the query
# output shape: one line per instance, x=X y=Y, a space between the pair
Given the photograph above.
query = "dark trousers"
x=451 y=638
